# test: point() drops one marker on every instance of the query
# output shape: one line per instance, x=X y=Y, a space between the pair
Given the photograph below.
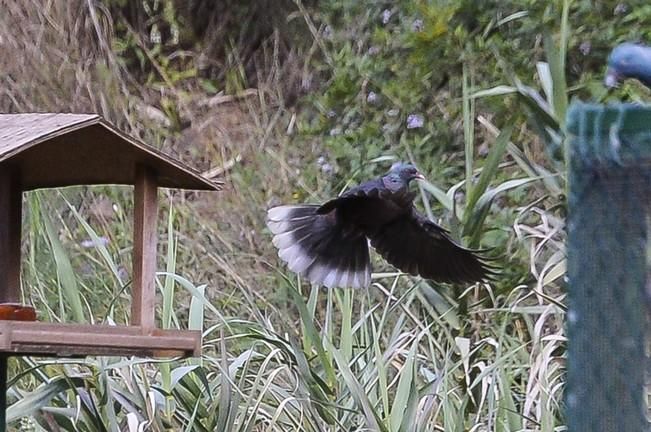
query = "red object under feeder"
x=17 y=312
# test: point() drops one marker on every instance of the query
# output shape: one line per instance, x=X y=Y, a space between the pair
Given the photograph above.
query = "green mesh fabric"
x=610 y=173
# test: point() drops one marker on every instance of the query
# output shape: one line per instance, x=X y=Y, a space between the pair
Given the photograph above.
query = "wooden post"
x=4 y=360
x=11 y=200
x=145 y=237
x=11 y=203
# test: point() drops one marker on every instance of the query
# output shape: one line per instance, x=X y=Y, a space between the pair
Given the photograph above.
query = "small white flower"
x=372 y=97
x=154 y=35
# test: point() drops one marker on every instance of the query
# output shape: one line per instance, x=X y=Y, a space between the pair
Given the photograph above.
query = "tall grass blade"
x=316 y=388
x=196 y=318
x=400 y=407
x=442 y=306
x=482 y=208
x=225 y=390
x=170 y=268
x=313 y=336
x=40 y=397
x=196 y=293
x=508 y=417
x=438 y=193
x=65 y=273
x=168 y=304
x=557 y=70
x=380 y=367
x=490 y=168
x=346 y=338
x=373 y=421
x=468 y=125
x=98 y=244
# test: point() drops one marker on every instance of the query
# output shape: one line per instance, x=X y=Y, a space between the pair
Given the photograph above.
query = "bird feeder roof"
x=54 y=150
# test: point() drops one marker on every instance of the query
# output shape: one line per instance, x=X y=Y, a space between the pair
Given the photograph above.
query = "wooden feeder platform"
x=53 y=150
x=75 y=340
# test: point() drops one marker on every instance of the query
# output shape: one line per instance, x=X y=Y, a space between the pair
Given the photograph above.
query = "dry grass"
x=64 y=62
x=500 y=366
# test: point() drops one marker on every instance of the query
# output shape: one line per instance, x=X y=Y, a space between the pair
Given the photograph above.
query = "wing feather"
x=418 y=246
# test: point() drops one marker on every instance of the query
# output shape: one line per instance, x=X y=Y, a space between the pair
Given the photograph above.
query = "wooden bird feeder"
x=53 y=150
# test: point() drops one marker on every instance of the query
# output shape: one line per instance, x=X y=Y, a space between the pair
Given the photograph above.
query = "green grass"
x=289 y=117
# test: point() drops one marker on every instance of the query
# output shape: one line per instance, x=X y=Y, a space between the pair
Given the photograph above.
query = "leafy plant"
x=292 y=106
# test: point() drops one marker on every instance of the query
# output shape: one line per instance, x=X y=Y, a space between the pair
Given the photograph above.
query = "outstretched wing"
x=418 y=246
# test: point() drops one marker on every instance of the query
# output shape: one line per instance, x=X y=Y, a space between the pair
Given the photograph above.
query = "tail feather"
x=315 y=246
x=284 y=218
x=361 y=259
x=291 y=212
x=293 y=236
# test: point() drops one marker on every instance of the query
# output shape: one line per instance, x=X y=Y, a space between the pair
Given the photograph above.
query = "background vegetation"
x=292 y=101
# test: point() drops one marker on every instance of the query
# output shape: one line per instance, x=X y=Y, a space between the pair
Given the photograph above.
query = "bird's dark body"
x=329 y=243
x=377 y=208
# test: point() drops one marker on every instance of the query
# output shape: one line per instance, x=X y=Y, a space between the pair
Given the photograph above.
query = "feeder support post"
x=11 y=200
x=610 y=160
x=145 y=233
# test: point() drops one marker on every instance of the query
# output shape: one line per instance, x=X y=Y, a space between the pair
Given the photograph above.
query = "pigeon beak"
x=612 y=78
x=419 y=176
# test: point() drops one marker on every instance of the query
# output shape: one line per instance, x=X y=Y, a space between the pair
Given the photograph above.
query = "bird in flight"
x=328 y=244
x=629 y=60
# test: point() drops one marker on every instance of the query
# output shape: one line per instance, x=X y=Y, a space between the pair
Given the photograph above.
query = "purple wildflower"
x=386 y=16
x=89 y=243
x=417 y=25
x=620 y=9
x=415 y=121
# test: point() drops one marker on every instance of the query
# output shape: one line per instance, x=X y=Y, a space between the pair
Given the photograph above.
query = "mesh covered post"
x=610 y=171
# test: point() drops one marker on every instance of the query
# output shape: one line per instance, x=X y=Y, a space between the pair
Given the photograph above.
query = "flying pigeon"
x=629 y=60
x=328 y=243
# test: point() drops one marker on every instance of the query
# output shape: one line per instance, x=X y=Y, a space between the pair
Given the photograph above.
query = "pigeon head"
x=629 y=60
x=400 y=175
